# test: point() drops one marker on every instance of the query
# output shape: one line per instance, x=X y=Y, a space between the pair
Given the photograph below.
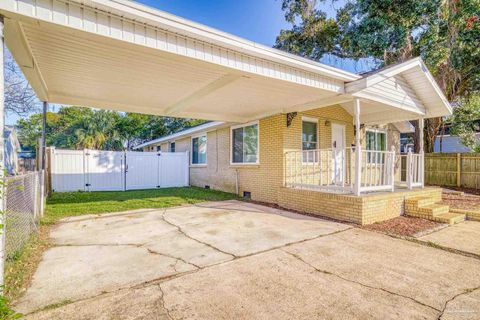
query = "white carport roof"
x=117 y=54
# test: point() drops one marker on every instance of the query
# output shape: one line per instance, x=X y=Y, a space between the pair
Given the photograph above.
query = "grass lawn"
x=67 y=204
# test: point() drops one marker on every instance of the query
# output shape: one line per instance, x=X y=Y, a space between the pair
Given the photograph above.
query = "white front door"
x=338 y=153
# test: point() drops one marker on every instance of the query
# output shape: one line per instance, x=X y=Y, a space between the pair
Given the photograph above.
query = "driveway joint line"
x=357 y=282
x=466 y=291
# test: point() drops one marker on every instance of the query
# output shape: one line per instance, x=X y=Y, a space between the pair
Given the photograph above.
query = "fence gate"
x=146 y=170
x=105 y=170
x=95 y=170
x=141 y=170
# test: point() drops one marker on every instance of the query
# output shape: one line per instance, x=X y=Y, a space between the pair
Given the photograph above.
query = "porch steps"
x=471 y=214
x=426 y=208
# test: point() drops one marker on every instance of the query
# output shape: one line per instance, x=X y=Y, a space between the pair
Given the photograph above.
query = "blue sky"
x=256 y=20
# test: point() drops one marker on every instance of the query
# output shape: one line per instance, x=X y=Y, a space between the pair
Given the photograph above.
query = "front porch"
x=334 y=171
x=364 y=209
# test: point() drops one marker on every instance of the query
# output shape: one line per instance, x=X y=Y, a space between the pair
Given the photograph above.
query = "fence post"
x=459 y=170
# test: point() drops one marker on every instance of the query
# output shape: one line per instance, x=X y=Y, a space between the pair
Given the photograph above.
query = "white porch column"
x=2 y=167
x=422 y=152
x=358 y=148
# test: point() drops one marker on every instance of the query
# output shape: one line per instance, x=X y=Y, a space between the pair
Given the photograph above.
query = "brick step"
x=435 y=209
x=470 y=213
x=419 y=201
x=450 y=218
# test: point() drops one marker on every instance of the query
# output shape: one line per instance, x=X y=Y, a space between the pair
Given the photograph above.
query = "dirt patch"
x=404 y=226
x=465 y=201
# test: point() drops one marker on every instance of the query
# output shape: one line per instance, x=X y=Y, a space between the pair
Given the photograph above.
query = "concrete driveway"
x=231 y=259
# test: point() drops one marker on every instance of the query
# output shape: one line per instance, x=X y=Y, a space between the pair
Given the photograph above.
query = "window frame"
x=198 y=135
x=258 y=144
x=376 y=131
x=170 y=146
x=311 y=120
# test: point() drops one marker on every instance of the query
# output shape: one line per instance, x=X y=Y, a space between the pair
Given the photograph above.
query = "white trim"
x=198 y=135
x=317 y=133
x=309 y=119
x=258 y=144
x=187 y=132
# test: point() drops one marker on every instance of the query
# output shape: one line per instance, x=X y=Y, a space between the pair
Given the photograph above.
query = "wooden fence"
x=453 y=169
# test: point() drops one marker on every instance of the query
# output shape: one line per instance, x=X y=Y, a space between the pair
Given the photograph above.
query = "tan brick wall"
x=363 y=210
x=265 y=181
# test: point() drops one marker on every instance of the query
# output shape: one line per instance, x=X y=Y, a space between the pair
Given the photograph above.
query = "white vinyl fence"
x=95 y=170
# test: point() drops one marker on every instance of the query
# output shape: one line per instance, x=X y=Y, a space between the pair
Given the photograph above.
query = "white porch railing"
x=412 y=169
x=333 y=170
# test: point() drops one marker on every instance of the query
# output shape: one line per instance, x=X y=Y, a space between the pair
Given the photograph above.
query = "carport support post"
x=43 y=166
x=2 y=195
x=421 y=149
x=358 y=148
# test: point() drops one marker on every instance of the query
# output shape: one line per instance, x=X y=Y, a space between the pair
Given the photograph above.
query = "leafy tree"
x=466 y=122
x=444 y=33
x=79 y=127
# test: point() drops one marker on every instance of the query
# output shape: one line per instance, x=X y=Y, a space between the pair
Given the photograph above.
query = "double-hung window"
x=199 y=149
x=309 y=138
x=171 y=146
x=244 y=144
x=376 y=140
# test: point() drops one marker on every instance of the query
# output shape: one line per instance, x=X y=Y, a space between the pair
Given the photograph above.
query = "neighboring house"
x=448 y=143
x=294 y=132
x=451 y=144
x=12 y=148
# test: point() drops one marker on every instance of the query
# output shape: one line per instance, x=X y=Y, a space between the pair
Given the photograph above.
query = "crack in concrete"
x=173 y=257
x=466 y=291
x=430 y=244
x=158 y=281
x=167 y=311
x=192 y=238
x=357 y=282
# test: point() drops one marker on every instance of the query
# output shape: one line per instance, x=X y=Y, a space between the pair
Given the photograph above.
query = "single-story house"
x=304 y=160
x=285 y=130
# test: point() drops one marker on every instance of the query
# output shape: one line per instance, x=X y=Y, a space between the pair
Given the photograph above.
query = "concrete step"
x=450 y=218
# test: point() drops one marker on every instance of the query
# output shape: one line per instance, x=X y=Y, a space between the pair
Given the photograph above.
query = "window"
x=159 y=148
x=309 y=138
x=199 y=150
x=376 y=141
x=172 y=147
x=244 y=142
